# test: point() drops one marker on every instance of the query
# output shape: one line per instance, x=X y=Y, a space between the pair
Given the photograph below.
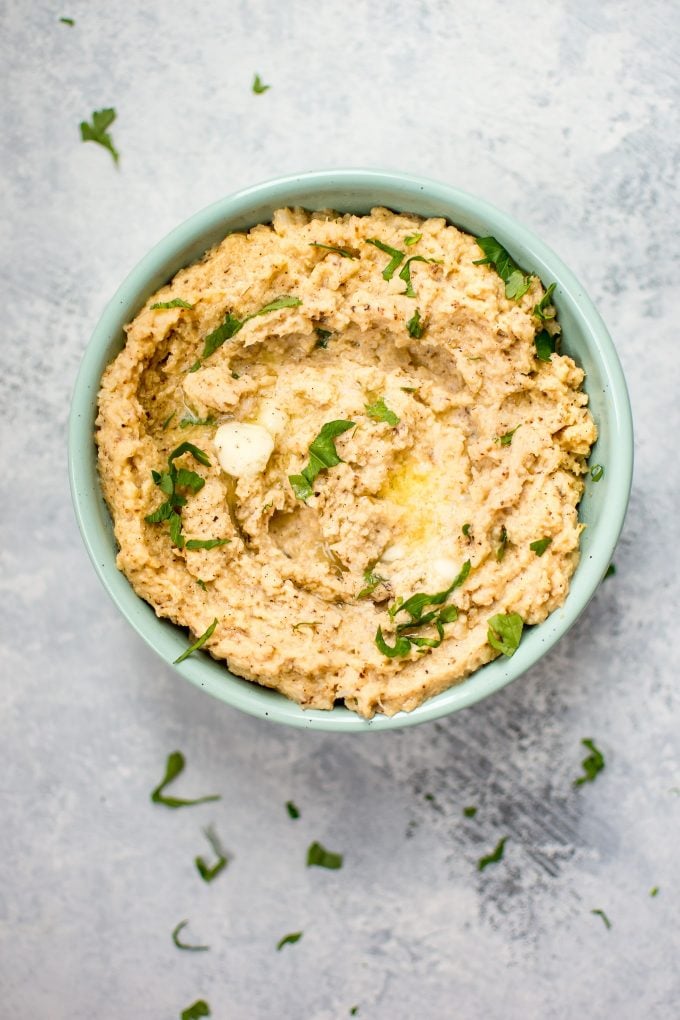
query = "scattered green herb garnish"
x=545 y=345
x=409 y=389
x=205 y=543
x=500 y=551
x=190 y=419
x=495 y=855
x=324 y=336
x=600 y=913
x=292 y=809
x=596 y=472
x=506 y=439
x=396 y=256
x=167 y=421
x=97 y=131
x=371 y=582
x=379 y=411
x=169 y=482
x=592 y=764
x=414 y=607
x=516 y=282
x=405 y=273
x=173 y=768
x=201 y=584
x=198 y=1009
x=185 y=945
x=177 y=302
x=654 y=891
x=258 y=85
x=231 y=325
x=319 y=857
x=196 y=365
x=206 y=871
x=294 y=937
x=540 y=545
x=67 y=21
x=235 y=375
x=354 y=1010
x=412 y=239
x=414 y=326
x=541 y=309
x=505 y=632
x=470 y=812
x=345 y=252
x=466 y=530
x=430 y=797
x=197 y=644
x=610 y=571
x=322 y=455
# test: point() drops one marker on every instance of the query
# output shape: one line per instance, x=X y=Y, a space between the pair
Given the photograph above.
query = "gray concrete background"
x=563 y=114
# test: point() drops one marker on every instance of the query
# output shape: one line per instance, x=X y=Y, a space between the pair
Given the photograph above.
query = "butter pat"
x=243 y=450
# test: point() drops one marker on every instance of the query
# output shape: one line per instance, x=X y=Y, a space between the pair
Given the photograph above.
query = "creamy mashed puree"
x=446 y=457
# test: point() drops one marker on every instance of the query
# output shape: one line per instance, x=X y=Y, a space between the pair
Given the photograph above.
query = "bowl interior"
x=584 y=337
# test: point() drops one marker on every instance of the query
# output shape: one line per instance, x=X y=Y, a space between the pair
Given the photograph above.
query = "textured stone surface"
x=565 y=115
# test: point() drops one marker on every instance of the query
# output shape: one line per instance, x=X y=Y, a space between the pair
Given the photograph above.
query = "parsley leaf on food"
x=207 y=871
x=345 y=252
x=319 y=857
x=544 y=344
x=285 y=301
x=414 y=326
x=516 y=282
x=177 y=302
x=412 y=239
x=605 y=920
x=379 y=411
x=505 y=632
x=291 y=939
x=258 y=86
x=596 y=472
x=495 y=855
x=405 y=273
x=466 y=530
x=231 y=325
x=169 y=482
x=396 y=256
x=592 y=764
x=500 y=551
x=206 y=543
x=167 y=421
x=540 y=545
x=540 y=310
x=506 y=440
x=400 y=648
x=414 y=607
x=196 y=1011
x=185 y=945
x=97 y=130
x=324 y=336
x=190 y=419
x=371 y=582
x=322 y=455
x=197 y=644
x=173 y=768
x=292 y=809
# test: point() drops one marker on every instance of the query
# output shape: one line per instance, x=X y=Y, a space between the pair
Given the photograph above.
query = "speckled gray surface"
x=565 y=115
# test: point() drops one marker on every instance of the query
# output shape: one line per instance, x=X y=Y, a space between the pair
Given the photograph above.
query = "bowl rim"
x=88 y=501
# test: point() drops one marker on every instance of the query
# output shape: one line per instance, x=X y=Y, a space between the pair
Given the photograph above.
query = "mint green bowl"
x=584 y=337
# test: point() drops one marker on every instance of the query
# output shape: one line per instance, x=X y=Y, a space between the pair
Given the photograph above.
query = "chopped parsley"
x=540 y=310
x=415 y=327
x=516 y=282
x=414 y=607
x=610 y=571
x=292 y=809
x=324 y=336
x=592 y=764
x=322 y=455
x=198 y=1009
x=371 y=582
x=190 y=419
x=206 y=543
x=605 y=920
x=379 y=411
x=544 y=344
x=196 y=365
x=186 y=945
x=67 y=21
x=177 y=302
x=201 y=584
x=318 y=856
x=169 y=482
x=540 y=545
x=500 y=551
x=654 y=891
x=258 y=86
x=412 y=239
x=97 y=131
x=470 y=811
x=506 y=439
x=396 y=256
x=167 y=421
x=345 y=252
x=173 y=768
x=206 y=871
x=505 y=632
x=405 y=273
x=466 y=530
x=495 y=855
x=596 y=472
x=198 y=643
x=231 y=325
x=291 y=939
x=235 y=375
